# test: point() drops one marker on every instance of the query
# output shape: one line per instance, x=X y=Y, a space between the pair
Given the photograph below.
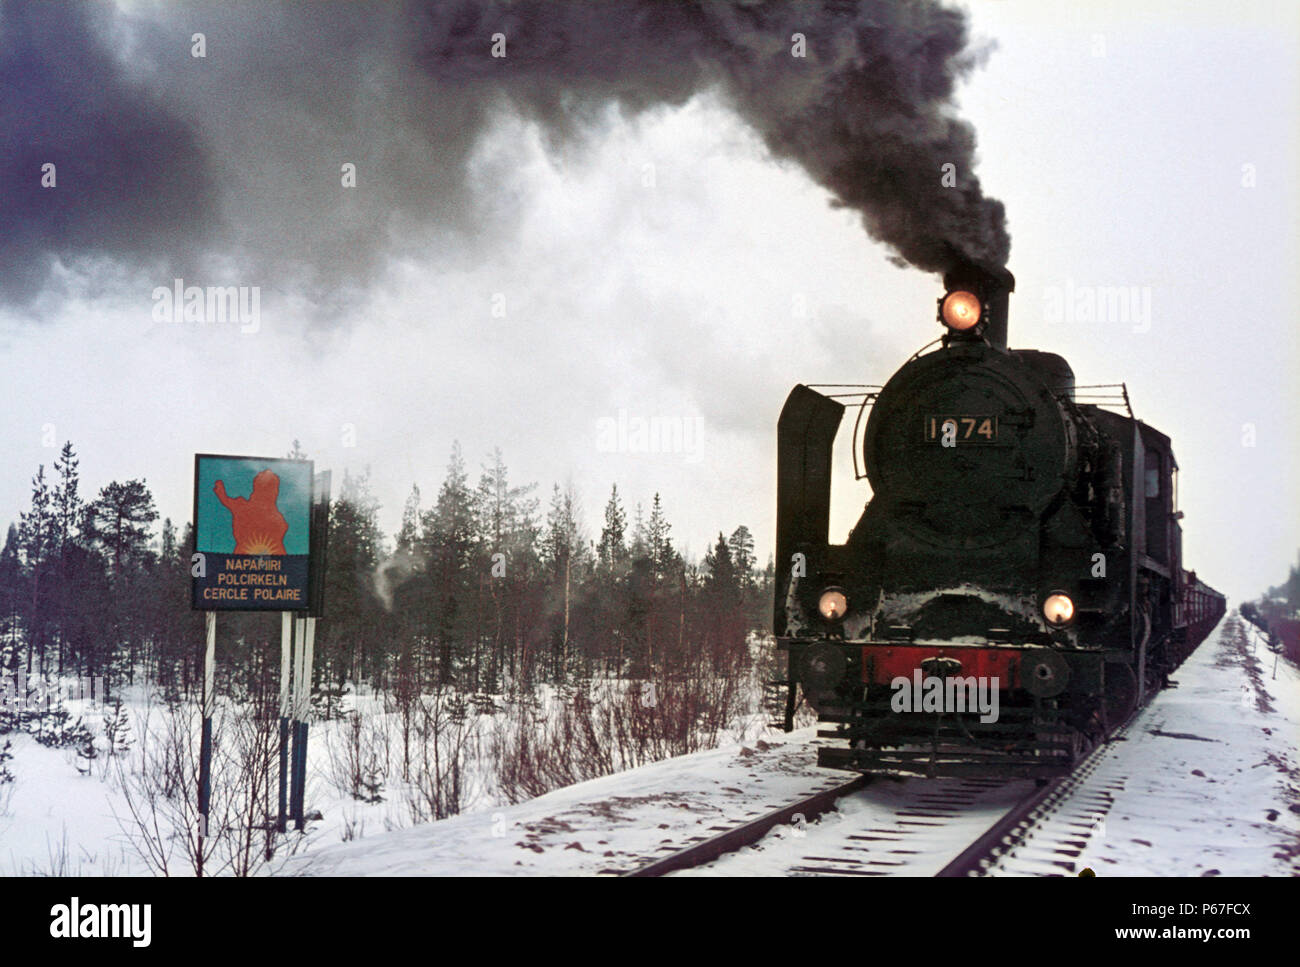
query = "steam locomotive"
x=1014 y=589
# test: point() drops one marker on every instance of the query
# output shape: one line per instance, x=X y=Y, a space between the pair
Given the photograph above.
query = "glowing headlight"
x=960 y=310
x=1058 y=609
x=833 y=604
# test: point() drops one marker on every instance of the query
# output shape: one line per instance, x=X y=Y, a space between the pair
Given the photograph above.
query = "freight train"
x=1014 y=589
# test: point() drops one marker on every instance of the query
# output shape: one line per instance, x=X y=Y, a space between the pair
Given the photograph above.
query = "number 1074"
x=967 y=429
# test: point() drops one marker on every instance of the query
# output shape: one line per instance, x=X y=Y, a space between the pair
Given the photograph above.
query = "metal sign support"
x=205 y=743
x=286 y=652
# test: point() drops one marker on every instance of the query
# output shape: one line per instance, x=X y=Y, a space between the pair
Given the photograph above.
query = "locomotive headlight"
x=960 y=310
x=1058 y=609
x=833 y=604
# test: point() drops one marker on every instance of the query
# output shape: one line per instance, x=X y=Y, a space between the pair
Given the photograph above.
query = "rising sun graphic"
x=259 y=544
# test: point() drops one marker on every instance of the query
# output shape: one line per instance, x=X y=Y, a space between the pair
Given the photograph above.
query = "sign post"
x=296 y=793
x=286 y=651
x=205 y=741
x=306 y=647
x=260 y=530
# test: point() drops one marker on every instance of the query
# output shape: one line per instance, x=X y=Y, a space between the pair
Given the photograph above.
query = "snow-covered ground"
x=1213 y=771
x=56 y=819
x=604 y=824
x=1211 y=784
x=1204 y=783
x=65 y=816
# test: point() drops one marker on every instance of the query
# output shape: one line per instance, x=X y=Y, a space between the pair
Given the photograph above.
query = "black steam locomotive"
x=1014 y=588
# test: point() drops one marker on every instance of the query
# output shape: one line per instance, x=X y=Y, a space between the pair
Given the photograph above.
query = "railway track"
x=1045 y=835
x=923 y=827
x=729 y=839
x=1038 y=831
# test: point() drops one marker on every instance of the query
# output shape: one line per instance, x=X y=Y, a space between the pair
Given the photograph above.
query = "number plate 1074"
x=952 y=429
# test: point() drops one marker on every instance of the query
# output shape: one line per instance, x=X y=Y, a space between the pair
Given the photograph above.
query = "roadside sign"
x=252 y=533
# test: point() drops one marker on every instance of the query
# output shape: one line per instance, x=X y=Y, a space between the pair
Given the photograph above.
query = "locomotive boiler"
x=1022 y=544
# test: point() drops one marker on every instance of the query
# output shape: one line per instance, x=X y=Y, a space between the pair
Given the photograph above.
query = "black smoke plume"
x=173 y=164
x=867 y=111
x=129 y=181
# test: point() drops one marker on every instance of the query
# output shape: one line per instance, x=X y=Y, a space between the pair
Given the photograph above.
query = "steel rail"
x=1011 y=830
x=1020 y=822
x=750 y=832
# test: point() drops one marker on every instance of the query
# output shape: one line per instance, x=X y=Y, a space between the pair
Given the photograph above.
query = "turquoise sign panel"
x=252 y=528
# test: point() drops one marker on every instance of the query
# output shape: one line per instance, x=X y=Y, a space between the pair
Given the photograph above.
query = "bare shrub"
x=162 y=817
x=442 y=730
x=358 y=758
x=354 y=827
x=7 y=790
x=59 y=859
x=536 y=752
x=597 y=729
x=402 y=701
x=249 y=766
x=163 y=824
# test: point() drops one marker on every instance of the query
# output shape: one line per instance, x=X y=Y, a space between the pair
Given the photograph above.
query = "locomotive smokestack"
x=993 y=285
x=1004 y=283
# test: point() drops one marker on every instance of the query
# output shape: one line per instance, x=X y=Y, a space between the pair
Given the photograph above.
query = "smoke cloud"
x=92 y=163
x=229 y=163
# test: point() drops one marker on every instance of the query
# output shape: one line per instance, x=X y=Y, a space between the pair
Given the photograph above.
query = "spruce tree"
x=409 y=533
x=447 y=543
x=640 y=547
x=6 y=756
x=354 y=611
x=36 y=534
x=667 y=562
x=612 y=551
x=507 y=537
x=564 y=552
x=11 y=597
x=66 y=505
x=741 y=546
x=117 y=729
x=118 y=523
x=721 y=580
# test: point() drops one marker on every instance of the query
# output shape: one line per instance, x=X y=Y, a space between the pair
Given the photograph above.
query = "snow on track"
x=610 y=824
x=908 y=827
x=1213 y=772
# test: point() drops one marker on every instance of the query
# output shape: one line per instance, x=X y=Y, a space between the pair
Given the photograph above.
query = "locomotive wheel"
x=1121 y=696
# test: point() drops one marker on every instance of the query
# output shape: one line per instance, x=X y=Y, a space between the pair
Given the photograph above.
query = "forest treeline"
x=484 y=587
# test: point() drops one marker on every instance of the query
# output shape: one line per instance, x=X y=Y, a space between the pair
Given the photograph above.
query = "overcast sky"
x=518 y=286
